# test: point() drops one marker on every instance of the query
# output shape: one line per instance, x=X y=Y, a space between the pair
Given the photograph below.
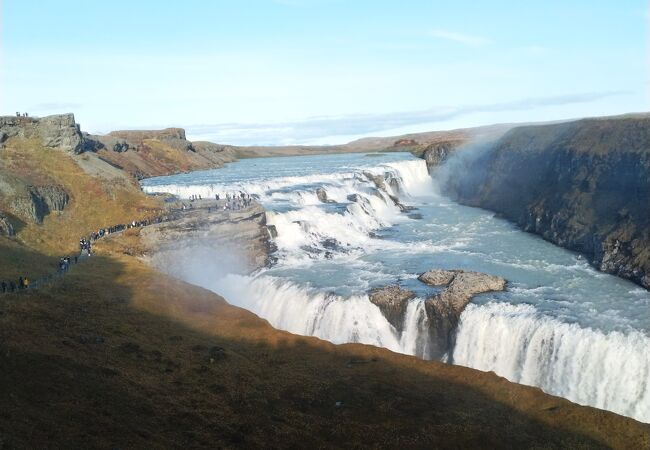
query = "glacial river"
x=561 y=325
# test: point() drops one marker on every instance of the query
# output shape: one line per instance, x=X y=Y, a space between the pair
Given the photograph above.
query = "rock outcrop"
x=392 y=301
x=58 y=131
x=40 y=201
x=443 y=309
x=6 y=228
x=583 y=185
x=120 y=141
x=238 y=239
x=437 y=153
x=321 y=193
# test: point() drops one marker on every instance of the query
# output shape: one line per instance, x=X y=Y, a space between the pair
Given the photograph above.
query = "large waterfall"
x=345 y=224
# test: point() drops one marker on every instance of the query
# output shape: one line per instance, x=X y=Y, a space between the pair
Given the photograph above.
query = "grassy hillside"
x=119 y=356
x=97 y=198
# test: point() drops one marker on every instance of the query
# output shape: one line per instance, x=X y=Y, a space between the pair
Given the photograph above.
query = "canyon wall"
x=583 y=185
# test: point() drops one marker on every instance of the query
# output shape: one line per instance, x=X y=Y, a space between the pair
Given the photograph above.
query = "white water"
x=561 y=326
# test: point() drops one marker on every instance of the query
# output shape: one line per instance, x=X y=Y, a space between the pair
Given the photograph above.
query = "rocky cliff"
x=59 y=131
x=583 y=185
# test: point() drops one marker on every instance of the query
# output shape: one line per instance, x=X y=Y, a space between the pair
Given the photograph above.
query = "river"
x=561 y=325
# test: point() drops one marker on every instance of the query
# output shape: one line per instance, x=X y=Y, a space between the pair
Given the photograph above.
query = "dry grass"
x=119 y=355
x=94 y=203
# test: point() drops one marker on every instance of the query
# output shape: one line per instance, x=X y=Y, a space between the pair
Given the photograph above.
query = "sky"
x=321 y=71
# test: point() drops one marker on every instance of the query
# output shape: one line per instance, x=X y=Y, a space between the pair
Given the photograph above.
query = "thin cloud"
x=55 y=106
x=310 y=130
x=461 y=38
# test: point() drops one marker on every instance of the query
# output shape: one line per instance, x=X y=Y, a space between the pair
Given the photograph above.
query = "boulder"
x=392 y=302
x=321 y=193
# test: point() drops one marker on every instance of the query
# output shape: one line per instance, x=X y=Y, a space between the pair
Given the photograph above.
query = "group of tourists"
x=233 y=202
x=95 y=235
x=65 y=261
x=12 y=286
x=85 y=244
x=237 y=201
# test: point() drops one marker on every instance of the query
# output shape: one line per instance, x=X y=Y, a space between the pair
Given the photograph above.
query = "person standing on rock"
x=21 y=283
x=26 y=283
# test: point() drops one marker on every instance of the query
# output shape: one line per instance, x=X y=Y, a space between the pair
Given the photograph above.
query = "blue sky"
x=321 y=71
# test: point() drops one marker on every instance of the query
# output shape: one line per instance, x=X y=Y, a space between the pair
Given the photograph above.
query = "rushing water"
x=561 y=325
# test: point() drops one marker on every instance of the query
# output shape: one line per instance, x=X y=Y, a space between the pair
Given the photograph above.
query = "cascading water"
x=561 y=325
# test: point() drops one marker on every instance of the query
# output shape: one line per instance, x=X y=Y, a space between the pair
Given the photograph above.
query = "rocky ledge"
x=208 y=235
x=58 y=131
x=443 y=309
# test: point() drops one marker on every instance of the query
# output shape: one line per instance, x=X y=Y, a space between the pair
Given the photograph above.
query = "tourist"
x=26 y=283
x=21 y=283
x=3 y=287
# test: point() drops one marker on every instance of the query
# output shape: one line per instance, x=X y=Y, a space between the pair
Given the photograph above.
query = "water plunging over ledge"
x=561 y=325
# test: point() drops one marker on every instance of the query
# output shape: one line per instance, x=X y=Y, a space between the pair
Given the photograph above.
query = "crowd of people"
x=12 y=286
x=236 y=201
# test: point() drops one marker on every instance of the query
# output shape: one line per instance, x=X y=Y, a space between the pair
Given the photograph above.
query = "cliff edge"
x=583 y=185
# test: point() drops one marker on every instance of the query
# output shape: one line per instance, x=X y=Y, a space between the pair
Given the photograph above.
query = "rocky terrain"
x=443 y=308
x=583 y=185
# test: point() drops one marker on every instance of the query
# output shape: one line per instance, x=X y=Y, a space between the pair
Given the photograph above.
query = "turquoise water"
x=561 y=325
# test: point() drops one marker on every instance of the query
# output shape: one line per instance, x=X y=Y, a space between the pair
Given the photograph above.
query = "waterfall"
x=524 y=342
x=609 y=371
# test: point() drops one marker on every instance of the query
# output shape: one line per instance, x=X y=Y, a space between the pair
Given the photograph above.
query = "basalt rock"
x=58 y=131
x=437 y=153
x=6 y=229
x=39 y=201
x=121 y=141
x=443 y=309
x=392 y=301
x=321 y=193
x=583 y=185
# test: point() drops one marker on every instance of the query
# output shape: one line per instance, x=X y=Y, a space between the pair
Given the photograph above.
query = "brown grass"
x=119 y=355
x=94 y=203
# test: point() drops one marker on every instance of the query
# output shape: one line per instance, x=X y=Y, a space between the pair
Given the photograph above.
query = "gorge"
x=561 y=325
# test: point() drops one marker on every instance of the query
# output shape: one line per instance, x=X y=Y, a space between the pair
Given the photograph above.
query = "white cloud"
x=461 y=38
x=318 y=128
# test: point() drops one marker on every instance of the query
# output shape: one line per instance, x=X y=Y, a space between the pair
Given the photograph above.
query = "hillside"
x=119 y=355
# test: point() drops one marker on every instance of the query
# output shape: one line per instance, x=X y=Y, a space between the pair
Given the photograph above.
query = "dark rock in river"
x=321 y=193
x=392 y=301
x=443 y=309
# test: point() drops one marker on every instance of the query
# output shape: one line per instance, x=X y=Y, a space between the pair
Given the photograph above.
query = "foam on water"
x=561 y=325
